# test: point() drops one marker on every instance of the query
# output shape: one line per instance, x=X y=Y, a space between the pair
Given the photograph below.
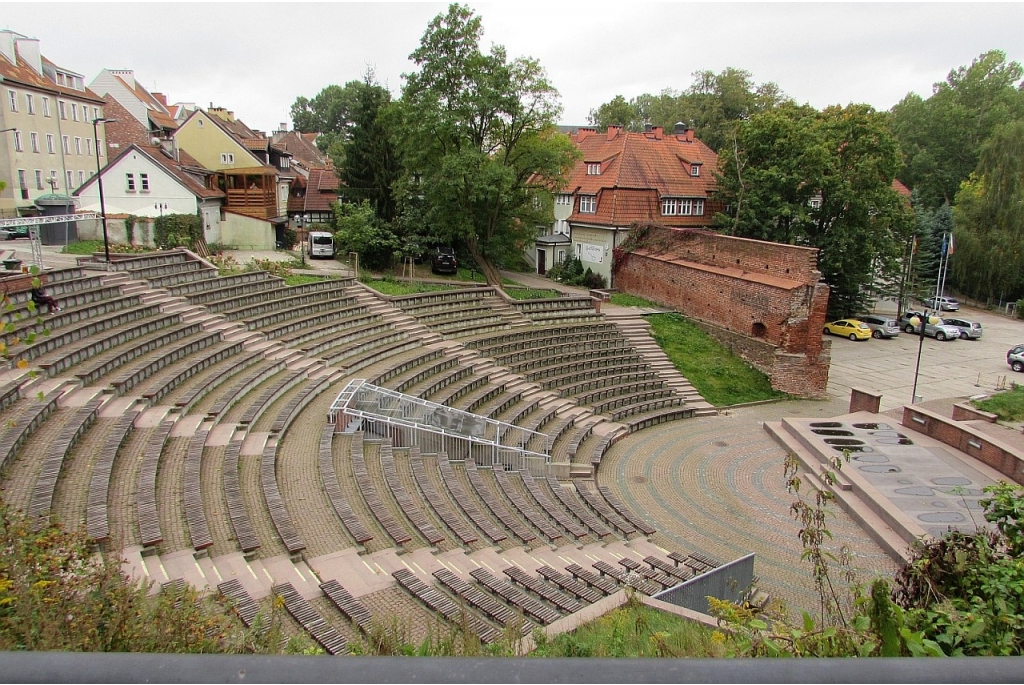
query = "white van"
x=321 y=244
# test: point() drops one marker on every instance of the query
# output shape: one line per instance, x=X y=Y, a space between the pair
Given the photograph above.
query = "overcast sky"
x=256 y=58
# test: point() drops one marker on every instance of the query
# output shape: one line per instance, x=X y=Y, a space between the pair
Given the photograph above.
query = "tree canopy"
x=329 y=113
x=479 y=140
x=821 y=179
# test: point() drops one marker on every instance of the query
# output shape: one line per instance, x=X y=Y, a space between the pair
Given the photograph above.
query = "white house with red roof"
x=150 y=181
x=623 y=179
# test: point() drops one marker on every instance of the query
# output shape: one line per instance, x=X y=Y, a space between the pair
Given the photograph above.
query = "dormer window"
x=563 y=199
x=588 y=204
x=679 y=206
x=593 y=169
x=695 y=170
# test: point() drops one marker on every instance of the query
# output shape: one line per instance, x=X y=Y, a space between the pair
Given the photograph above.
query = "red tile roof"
x=637 y=171
x=321 y=190
x=177 y=168
x=303 y=150
x=21 y=73
x=901 y=189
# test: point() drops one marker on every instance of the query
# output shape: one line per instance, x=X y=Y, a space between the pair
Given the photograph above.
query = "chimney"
x=680 y=128
x=658 y=132
x=689 y=136
x=648 y=127
x=613 y=131
x=283 y=127
x=161 y=98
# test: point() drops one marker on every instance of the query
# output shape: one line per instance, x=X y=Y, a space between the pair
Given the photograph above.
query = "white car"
x=943 y=304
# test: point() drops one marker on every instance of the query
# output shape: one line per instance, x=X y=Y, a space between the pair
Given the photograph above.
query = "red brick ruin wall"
x=774 y=324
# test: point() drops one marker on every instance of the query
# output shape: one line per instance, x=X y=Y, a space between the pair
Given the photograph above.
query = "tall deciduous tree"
x=988 y=261
x=941 y=137
x=479 y=139
x=330 y=113
x=371 y=165
x=821 y=179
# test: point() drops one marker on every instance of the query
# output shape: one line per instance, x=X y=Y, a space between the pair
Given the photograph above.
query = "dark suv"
x=444 y=261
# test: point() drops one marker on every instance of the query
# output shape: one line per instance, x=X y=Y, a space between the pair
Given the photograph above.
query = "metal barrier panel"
x=728 y=582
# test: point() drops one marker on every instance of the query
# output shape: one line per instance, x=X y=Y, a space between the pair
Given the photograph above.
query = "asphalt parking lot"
x=952 y=368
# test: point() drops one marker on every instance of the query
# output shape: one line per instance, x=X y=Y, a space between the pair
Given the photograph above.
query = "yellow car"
x=848 y=328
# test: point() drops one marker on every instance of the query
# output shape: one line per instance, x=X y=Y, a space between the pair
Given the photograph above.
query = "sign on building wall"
x=592 y=253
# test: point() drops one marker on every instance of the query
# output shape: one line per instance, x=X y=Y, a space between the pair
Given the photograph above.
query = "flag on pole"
x=945 y=244
x=951 y=246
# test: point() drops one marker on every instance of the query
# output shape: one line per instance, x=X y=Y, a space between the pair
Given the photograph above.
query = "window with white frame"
x=78 y=145
x=95 y=113
x=99 y=147
x=71 y=179
x=49 y=144
x=695 y=170
x=815 y=203
x=22 y=179
x=129 y=183
x=33 y=139
x=227 y=158
x=17 y=141
x=588 y=204
x=678 y=206
x=74 y=111
x=593 y=168
x=563 y=199
x=46 y=107
x=39 y=179
x=144 y=182
x=81 y=177
x=29 y=105
x=88 y=146
x=12 y=98
x=67 y=144
x=62 y=109
x=561 y=256
x=60 y=79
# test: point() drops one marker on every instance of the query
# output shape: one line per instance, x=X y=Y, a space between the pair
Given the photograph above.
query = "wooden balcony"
x=257 y=202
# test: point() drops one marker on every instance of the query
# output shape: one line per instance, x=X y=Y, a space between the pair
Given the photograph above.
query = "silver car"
x=970 y=330
x=945 y=304
x=934 y=327
x=1015 y=358
x=881 y=326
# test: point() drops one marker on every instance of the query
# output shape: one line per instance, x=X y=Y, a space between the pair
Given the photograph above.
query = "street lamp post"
x=300 y=220
x=161 y=206
x=99 y=180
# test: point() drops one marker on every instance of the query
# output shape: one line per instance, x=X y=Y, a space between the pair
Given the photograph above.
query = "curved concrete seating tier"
x=62 y=337
x=234 y=366
x=192 y=289
x=22 y=420
x=408 y=505
x=398 y=532
x=255 y=375
x=526 y=509
x=275 y=503
x=441 y=506
x=462 y=499
x=291 y=409
x=149 y=521
x=276 y=389
x=192 y=495
x=241 y=524
x=211 y=356
x=493 y=502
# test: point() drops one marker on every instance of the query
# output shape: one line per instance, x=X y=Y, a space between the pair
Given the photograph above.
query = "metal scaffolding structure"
x=408 y=420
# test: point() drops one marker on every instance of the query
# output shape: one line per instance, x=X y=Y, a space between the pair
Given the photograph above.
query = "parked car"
x=881 y=326
x=14 y=232
x=943 y=304
x=444 y=261
x=968 y=329
x=1015 y=358
x=848 y=328
x=910 y=322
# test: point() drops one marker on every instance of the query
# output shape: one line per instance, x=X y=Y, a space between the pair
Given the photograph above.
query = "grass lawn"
x=637 y=631
x=530 y=293
x=83 y=247
x=391 y=287
x=624 y=300
x=1008 y=405
x=301 y=279
x=719 y=376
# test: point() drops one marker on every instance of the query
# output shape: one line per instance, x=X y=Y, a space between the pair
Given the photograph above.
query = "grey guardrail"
x=48 y=667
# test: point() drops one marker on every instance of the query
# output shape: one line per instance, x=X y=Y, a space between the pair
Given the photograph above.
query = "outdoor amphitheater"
x=431 y=458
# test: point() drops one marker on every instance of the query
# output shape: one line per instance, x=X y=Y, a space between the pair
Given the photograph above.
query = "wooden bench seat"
x=636 y=399
x=236 y=366
x=189 y=348
x=445 y=606
x=665 y=581
x=64 y=338
x=145 y=488
x=241 y=524
x=525 y=508
x=544 y=339
x=556 y=364
x=668 y=569
x=277 y=388
x=46 y=482
x=22 y=423
x=602 y=584
x=353 y=609
x=696 y=562
x=311 y=620
x=640 y=583
x=531 y=606
x=210 y=356
x=337 y=310
x=342 y=507
x=400 y=368
x=671 y=403
x=241 y=601
x=254 y=376
x=557 y=348
x=294 y=406
x=625 y=511
x=659 y=416
x=189 y=289
x=392 y=526
x=577 y=589
x=293 y=542
x=440 y=505
x=578 y=509
x=192 y=495
x=406 y=503
x=97 y=523
x=598 y=504
x=484 y=601
x=563 y=602
x=345 y=333
x=557 y=513
x=98 y=367
x=618 y=390
x=18 y=331
x=496 y=506
x=460 y=497
x=361 y=356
